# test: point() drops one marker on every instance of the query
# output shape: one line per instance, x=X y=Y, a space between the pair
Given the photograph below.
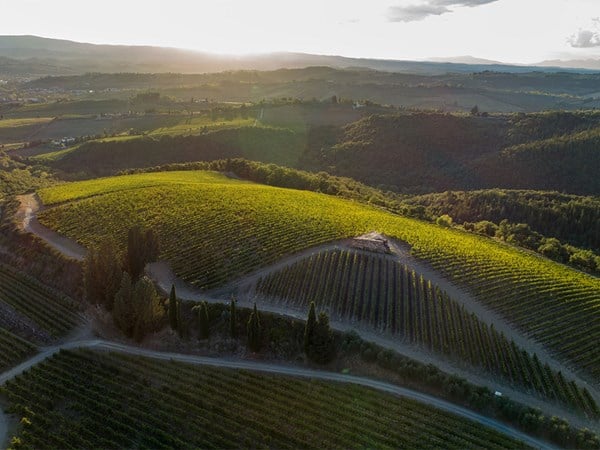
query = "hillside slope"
x=214 y=229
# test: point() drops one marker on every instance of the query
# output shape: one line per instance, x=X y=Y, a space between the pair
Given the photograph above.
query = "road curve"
x=98 y=344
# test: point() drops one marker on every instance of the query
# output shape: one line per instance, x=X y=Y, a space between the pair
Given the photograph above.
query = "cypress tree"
x=322 y=350
x=135 y=259
x=203 y=322
x=309 y=329
x=123 y=310
x=173 y=307
x=90 y=278
x=180 y=328
x=147 y=308
x=254 y=331
x=109 y=272
x=233 y=319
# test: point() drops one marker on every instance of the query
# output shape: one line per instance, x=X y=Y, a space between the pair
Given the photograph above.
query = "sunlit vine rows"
x=95 y=400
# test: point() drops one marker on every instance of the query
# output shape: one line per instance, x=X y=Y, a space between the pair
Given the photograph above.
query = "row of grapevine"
x=13 y=349
x=377 y=291
x=49 y=310
x=97 y=400
x=214 y=229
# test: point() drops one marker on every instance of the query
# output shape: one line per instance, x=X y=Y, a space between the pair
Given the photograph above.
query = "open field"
x=94 y=400
x=214 y=229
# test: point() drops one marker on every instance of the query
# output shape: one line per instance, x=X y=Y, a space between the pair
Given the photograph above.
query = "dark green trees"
x=318 y=338
x=254 y=331
x=102 y=274
x=232 y=319
x=203 y=321
x=123 y=312
x=137 y=309
x=142 y=248
x=309 y=329
x=173 y=309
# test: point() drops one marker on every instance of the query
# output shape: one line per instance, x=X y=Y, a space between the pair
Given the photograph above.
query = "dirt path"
x=27 y=217
x=275 y=369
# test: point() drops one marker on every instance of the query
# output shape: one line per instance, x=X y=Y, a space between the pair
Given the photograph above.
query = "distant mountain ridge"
x=38 y=56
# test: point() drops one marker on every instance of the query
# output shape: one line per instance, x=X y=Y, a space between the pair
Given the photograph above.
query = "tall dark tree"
x=135 y=258
x=323 y=349
x=254 y=331
x=173 y=307
x=147 y=307
x=91 y=281
x=318 y=337
x=203 y=321
x=233 y=319
x=309 y=328
x=123 y=310
x=102 y=274
x=180 y=326
x=142 y=248
x=110 y=271
x=152 y=246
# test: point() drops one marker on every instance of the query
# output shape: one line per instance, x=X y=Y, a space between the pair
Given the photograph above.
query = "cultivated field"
x=214 y=229
x=96 y=400
x=378 y=292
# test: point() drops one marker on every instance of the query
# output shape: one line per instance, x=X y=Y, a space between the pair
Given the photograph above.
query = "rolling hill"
x=214 y=229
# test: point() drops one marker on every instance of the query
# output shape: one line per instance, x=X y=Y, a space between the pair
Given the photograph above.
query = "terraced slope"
x=214 y=229
x=378 y=292
x=48 y=310
x=94 y=400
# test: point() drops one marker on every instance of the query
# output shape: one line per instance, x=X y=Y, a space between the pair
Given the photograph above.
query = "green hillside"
x=279 y=146
x=411 y=152
x=94 y=400
x=214 y=229
x=377 y=292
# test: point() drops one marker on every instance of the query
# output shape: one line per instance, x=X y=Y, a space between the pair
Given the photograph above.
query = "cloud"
x=412 y=13
x=585 y=39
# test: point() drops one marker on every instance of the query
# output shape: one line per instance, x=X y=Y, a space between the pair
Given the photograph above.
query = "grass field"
x=23 y=122
x=214 y=229
x=94 y=400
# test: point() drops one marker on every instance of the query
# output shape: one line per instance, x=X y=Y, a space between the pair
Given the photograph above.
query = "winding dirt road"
x=27 y=217
x=278 y=369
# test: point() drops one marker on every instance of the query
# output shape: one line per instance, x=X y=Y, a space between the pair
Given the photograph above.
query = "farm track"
x=27 y=218
x=97 y=344
x=163 y=276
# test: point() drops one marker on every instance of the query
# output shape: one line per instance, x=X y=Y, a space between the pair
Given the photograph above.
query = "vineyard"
x=94 y=400
x=48 y=310
x=13 y=349
x=381 y=293
x=214 y=229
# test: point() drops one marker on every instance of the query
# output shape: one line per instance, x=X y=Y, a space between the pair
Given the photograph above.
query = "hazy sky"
x=523 y=31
